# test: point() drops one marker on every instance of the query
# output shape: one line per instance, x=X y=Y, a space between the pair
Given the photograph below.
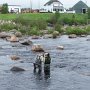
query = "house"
x=53 y=6
x=26 y=10
x=14 y=8
x=80 y=7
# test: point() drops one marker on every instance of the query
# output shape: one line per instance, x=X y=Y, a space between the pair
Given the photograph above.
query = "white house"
x=53 y=6
x=14 y=8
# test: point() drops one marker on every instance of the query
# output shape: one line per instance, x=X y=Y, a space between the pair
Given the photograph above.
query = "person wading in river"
x=38 y=64
x=47 y=64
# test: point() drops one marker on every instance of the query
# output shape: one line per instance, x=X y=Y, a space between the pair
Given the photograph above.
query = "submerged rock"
x=26 y=42
x=17 y=69
x=37 y=48
x=14 y=57
x=88 y=39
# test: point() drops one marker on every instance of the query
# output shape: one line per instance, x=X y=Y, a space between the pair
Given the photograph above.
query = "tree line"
x=4 y=8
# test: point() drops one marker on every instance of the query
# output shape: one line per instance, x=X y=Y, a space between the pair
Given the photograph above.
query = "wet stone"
x=17 y=69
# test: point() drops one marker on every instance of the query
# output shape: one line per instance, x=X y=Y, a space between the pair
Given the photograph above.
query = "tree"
x=4 y=8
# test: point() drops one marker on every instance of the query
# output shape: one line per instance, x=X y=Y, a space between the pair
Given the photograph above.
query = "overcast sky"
x=37 y=3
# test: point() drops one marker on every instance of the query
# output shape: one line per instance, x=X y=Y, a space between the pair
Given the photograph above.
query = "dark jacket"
x=47 y=60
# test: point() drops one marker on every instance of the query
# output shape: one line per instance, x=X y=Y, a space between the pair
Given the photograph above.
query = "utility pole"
x=30 y=5
x=39 y=5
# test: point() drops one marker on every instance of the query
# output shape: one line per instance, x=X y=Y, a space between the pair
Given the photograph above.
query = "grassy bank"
x=35 y=23
x=30 y=16
x=36 y=16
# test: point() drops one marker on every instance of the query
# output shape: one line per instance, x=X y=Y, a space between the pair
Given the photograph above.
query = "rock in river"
x=72 y=36
x=35 y=37
x=14 y=57
x=26 y=42
x=37 y=48
x=18 y=34
x=60 y=47
x=13 y=39
x=17 y=69
x=4 y=35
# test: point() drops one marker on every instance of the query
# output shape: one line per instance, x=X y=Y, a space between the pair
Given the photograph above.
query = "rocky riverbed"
x=70 y=67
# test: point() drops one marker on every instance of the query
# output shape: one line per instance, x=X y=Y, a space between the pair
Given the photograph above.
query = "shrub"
x=34 y=31
x=58 y=28
x=66 y=20
x=88 y=30
x=40 y=24
x=7 y=26
x=54 y=19
x=20 y=20
x=50 y=31
x=76 y=31
x=24 y=29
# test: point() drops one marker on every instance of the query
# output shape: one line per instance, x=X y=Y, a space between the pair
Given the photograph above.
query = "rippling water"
x=70 y=68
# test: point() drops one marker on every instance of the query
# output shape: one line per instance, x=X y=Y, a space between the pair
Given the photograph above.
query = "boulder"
x=18 y=34
x=55 y=34
x=35 y=37
x=47 y=36
x=72 y=36
x=13 y=31
x=17 y=69
x=60 y=47
x=82 y=35
x=13 y=39
x=37 y=48
x=4 y=35
x=44 y=31
x=14 y=57
x=26 y=42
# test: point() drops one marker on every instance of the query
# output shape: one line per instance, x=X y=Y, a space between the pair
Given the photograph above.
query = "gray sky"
x=37 y=3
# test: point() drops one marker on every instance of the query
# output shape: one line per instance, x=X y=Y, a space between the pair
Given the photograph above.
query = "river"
x=69 y=70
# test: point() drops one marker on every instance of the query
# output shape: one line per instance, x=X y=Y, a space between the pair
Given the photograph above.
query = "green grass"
x=28 y=16
x=36 y=16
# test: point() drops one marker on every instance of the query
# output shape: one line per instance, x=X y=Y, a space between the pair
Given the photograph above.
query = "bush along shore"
x=52 y=27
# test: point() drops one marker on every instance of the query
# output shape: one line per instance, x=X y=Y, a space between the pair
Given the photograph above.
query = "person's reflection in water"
x=38 y=74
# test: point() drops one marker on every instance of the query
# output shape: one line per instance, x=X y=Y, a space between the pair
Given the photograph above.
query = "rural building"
x=53 y=6
x=14 y=8
x=25 y=10
x=80 y=7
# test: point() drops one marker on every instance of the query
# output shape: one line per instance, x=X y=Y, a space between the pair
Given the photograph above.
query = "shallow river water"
x=70 y=68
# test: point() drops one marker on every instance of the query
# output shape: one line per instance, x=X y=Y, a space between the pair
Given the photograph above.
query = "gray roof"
x=51 y=1
x=80 y=5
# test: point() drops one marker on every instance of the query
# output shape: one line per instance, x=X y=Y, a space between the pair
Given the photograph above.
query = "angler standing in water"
x=47 y=65
x=38 y=64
